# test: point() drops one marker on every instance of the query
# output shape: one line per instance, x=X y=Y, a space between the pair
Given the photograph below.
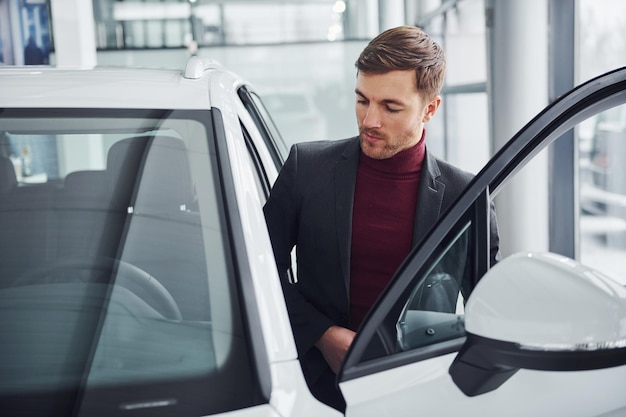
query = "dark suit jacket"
x=310 y=206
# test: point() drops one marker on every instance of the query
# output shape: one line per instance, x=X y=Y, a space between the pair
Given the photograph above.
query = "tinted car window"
x=268 y=130
x=117 y=287
x=434 y=311
x=427 y=318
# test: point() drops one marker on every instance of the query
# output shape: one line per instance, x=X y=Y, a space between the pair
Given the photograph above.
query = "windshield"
x=117 y=288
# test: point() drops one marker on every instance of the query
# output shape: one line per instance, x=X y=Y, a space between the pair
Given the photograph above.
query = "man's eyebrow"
x=392 y=101
x=385 y=101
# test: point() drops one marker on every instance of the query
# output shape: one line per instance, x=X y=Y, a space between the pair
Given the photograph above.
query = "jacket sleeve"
x=282 y=217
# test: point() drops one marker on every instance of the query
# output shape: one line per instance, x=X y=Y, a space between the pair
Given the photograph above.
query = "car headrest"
x=150 y=173
x=89 y=187
x=8 y=179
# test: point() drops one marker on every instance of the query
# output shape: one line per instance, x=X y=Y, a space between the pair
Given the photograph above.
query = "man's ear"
x=431 y=109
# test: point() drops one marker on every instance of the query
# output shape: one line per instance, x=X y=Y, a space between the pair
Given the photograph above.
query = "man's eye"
x=361 y=101
x=391 y=110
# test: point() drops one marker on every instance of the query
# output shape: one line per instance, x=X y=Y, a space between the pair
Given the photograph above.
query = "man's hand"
x=334 y=344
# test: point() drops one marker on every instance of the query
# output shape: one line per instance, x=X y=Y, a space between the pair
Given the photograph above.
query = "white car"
x=137 y=276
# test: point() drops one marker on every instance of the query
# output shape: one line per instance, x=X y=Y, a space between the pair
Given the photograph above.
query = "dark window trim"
x=256 y=159
x=271 y=142
x=481 y=236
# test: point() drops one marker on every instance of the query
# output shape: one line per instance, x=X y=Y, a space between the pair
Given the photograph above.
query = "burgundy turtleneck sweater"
x=385 y=200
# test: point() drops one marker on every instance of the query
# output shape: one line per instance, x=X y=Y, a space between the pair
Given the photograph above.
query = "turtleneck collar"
x=406 y=161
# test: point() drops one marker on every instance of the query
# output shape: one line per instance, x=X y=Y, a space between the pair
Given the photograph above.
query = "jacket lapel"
x=429 y=198
x=345 y=180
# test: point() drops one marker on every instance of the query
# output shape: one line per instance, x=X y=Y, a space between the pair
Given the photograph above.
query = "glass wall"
x=132 y=24
x=295 y=53
x=300 y=56
x=602 y=141
x=25 y=32
x=461 y=133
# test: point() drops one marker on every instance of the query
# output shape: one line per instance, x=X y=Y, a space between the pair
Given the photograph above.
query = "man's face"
x=390 y=112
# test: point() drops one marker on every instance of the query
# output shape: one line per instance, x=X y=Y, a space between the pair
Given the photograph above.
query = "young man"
x=354 y=208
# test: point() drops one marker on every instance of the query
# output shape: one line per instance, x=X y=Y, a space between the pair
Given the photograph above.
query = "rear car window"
x=117 y=288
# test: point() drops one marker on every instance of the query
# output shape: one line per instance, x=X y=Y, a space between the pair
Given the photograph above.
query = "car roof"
x=115 y=87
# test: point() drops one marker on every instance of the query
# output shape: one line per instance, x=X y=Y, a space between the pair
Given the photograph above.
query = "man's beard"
x=373 y=151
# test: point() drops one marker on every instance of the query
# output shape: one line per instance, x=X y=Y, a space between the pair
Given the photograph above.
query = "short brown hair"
x=406 y=48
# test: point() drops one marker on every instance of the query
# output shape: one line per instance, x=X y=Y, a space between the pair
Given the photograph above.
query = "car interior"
x=109 y=272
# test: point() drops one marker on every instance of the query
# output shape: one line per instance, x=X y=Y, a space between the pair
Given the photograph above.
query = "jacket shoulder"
x=322 y=154
x=452 y=173
x=323 y=146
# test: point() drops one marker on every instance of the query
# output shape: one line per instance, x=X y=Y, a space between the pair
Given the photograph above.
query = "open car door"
x=537 y=334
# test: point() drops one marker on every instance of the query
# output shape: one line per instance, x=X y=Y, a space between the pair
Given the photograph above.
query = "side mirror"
x=540 y=311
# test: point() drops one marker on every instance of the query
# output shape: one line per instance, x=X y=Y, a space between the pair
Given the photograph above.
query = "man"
x=354 y=208
x=32 y=53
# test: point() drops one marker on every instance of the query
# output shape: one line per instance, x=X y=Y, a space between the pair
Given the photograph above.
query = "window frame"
x=265 y=124
x=248 y=302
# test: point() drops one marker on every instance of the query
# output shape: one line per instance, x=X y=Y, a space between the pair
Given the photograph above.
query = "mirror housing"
x=540 y=311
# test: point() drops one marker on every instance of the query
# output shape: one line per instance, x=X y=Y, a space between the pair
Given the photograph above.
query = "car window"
x=265 y=125
x=288 y=103
x=434 y=310
x=118 y=290
x=427 y=317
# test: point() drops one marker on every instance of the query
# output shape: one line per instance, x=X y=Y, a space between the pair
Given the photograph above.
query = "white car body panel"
x=100 y=88
x=425 y=388
x=291 y=396
x=275 y=321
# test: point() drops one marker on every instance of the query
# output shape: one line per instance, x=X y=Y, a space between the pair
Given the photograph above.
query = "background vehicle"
x=296 y=115
x=137 y=277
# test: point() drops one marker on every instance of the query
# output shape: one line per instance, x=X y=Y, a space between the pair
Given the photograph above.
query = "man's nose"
x=371 y=119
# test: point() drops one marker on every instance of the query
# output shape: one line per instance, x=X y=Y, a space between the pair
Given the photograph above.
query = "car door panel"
x=411 y=376
x=426 y=389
